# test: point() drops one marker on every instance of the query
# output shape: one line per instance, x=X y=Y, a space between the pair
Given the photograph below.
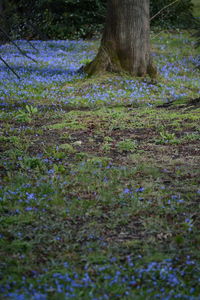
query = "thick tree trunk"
x=1 y=6
x=125 y=45
x=1 y=21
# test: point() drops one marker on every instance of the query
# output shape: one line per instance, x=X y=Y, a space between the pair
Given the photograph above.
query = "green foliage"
x=127 y=145
x=67 y=148
x=54 y=19
x=178 y=14
x=27 y=114
x=31 y=163
x=63 y=19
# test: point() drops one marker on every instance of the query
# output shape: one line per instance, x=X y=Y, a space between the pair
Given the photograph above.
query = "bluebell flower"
x=140 y=189
x=126 y=191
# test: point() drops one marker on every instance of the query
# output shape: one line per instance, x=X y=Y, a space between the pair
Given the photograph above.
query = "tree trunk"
x=1 y=7
x=125 y=44
x=2 y=39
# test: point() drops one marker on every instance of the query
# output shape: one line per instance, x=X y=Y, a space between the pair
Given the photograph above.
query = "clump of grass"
x=127 y=145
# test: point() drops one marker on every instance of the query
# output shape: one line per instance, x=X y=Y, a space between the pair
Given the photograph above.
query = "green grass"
x=133 y=198
x=109 y=191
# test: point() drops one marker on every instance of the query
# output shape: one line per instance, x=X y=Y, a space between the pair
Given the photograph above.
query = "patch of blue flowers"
x=159 y=280
x=29 y=198
x=58 y=62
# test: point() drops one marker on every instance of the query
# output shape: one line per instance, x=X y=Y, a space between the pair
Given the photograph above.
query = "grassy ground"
x=100 y=187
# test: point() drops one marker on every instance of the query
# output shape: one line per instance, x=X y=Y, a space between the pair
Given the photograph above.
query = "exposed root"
x=107 y=60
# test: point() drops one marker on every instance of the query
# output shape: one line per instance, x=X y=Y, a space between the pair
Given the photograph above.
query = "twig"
x=159 y=12
x=9 y=67
x=156 y=35
x=32 y=46
x=26 y=40
x=20 y=50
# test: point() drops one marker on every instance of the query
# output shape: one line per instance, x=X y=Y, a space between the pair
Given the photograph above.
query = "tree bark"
x=1 y=7
x=125 y=44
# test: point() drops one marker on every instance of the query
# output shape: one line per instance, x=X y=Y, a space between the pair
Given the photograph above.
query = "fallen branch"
x=26 y=40
x=159 y=12
x=9 y=67
x=32 y=46
x=20 y=50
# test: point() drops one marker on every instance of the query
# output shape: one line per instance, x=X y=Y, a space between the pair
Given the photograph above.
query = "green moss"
x=67 y=147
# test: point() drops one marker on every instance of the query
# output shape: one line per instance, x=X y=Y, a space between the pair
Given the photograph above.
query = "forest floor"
x=100 y=177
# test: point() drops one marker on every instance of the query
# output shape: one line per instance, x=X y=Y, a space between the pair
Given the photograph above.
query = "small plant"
x=189 y=137
x=27 y=114
x=188 y=224
x=106 y=147
x=85 y=61
x=166 y=138
x=108 y=139
x=58 y=168
x=22 y=116
x=31 y=163
x=31 y=110
x=56 y=154
x=127 y=145
x=67 y=147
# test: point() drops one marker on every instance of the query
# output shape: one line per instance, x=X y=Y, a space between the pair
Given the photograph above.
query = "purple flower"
x=140 y=189
x=126 y=191
x=28 y=208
